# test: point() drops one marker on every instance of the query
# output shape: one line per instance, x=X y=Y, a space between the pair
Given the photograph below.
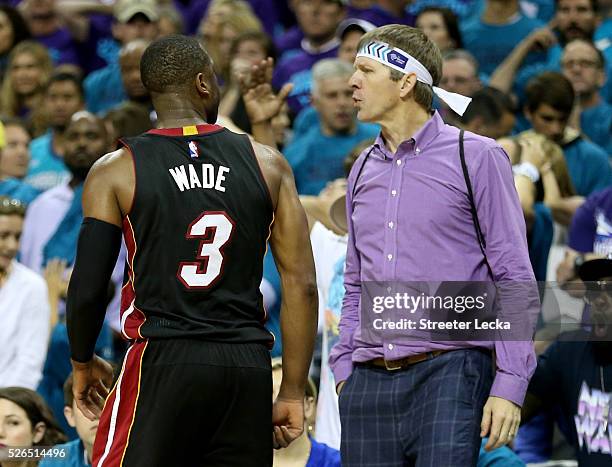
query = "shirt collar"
x=421 y=139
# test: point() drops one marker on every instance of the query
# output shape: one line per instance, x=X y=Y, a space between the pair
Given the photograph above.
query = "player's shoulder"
x=111 y=168
x=270 y=159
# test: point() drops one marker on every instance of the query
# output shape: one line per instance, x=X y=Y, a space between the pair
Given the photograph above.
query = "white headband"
x=402 y=61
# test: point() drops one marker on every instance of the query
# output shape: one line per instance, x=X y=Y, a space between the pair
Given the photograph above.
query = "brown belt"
x=404 y=362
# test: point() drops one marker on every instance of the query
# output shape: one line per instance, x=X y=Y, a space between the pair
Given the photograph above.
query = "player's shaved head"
x=172 y=62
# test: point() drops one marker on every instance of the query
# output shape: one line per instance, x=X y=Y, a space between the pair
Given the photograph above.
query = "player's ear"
x=202 y=84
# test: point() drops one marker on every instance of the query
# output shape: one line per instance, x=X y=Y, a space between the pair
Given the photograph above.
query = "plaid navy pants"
x=427 y=415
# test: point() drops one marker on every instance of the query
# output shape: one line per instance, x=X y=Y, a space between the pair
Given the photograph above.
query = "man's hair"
x=461 y=54
x=256 y=36
x=172 y=62
x=68 y=396
x=594 y=5
x=329 y=68
x=552 y=89
x=451 y=22
x=63 y=76
x=488 y=103
x=14 y=121
x=416 y=43
x=601 y=59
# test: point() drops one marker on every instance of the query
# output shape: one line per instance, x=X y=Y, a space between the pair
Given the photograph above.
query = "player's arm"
x=97 y=250
x=290 y=243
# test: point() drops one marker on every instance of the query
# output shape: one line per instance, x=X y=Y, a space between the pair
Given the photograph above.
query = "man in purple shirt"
x=409 y=219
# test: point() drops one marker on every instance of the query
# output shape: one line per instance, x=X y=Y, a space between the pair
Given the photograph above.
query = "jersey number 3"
x=214 y=229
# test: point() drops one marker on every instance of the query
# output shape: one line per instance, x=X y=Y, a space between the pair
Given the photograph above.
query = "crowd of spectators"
x=540 y=76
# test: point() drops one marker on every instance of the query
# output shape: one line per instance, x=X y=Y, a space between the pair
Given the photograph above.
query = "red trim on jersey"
x=202 y=130
x=119 y=411
x=129 y=150
x=135 y=318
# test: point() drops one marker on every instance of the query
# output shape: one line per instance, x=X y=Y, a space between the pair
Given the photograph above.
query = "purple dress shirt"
x=409 y=220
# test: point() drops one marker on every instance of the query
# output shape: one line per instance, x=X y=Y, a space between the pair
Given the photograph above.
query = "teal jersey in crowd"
x=588 y=166
x=16 y=189
x=74 y=456
x=317 y=159
x=46 y=169
x=491 y=44
x=596 y=123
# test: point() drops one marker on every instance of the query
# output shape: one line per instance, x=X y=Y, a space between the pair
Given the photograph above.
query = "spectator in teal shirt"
x=63 y=97
x=583 y=64
x=76 y=453
x=492 y=36
x=549 y=103
x=317 y=155
x=132 y=20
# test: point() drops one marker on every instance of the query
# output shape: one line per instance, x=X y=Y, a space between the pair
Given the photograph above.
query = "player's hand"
x=91 y=384
x=500 y=420
x=260 y=101
x=287 y=421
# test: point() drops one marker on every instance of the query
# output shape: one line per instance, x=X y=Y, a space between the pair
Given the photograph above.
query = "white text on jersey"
x=186 y=177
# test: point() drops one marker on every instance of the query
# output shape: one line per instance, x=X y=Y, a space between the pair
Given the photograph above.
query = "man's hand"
x=500 y=420
x=339 y=387
x=287 y=421
x=259 y=99
x=542 y=39
x=91 y=384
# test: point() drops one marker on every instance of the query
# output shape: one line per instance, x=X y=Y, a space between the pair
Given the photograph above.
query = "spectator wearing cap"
x=549 y=100
x=441 y=26
x=24 y=321
x=14 y=161
x=319 y=20
x=349 y=32
x=133 y=19
x=492 y=36
x=573 y=378
x=63 y=97
x=317 y=156
x=583 y=65
x=590 y=234
x=47 y=27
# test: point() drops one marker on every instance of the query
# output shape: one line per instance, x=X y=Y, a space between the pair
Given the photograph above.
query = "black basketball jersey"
x=196 y=236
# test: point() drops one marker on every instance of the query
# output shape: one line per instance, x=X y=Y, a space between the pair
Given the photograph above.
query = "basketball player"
x=196 y=204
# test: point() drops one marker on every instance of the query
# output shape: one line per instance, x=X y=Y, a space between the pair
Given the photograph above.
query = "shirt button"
x=393 y=192
x=398 y=162
x=390 y=346
x=417 y=150
x=390 y=225
x=389 y=289
x=389 y=257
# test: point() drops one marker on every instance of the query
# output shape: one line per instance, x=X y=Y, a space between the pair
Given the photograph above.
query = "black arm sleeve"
x=97 y=251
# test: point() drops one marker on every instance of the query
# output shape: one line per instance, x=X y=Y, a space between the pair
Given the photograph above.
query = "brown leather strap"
x=404 y=362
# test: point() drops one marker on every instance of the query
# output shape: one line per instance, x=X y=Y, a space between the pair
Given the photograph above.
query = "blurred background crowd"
x=539 y=73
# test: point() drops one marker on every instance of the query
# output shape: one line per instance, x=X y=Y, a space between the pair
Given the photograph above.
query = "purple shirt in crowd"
x=379 y=17
x=409 y=220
